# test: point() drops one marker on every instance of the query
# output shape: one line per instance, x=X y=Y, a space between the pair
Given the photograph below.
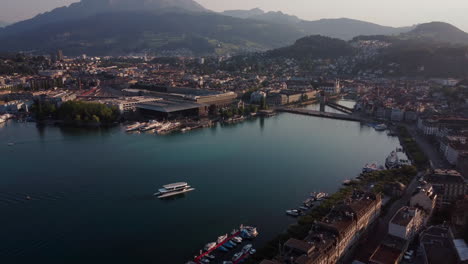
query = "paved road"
x=429 y=148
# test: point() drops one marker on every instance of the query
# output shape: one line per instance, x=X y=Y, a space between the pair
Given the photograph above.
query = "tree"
x=96 y=119
x=253 y=109
x=241 y=111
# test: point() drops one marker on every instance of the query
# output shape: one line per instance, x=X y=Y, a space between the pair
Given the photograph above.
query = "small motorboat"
x=308 y=201
x=227 y=245
x=347 y=182
x=237 y=239
x=370 y=168
x=210 y=257
x=253 y=251
x=231 y=243
x=222 y=248
x=237 y=256
x=204 y=260
x=210 y=246
x=293 y=212
x=381 y=127
x=247 y=248
x=222 y=238
x=248 y=232
x=321 y=196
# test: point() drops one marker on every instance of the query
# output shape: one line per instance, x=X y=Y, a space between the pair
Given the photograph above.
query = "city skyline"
x=381 y=12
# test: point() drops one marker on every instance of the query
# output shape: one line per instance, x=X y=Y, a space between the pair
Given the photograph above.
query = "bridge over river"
x=302 y=111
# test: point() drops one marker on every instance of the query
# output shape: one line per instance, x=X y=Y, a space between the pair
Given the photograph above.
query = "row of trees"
x=412 y=148
x=76 y=111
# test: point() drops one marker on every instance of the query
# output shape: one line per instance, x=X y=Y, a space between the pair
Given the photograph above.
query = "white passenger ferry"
x=174 y=189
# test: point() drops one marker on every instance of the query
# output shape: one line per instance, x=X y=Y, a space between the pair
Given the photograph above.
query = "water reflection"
x=88 y=131
x=262 y=123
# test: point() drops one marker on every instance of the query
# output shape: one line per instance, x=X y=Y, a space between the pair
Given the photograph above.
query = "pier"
x=319 y=114
x=199 y=258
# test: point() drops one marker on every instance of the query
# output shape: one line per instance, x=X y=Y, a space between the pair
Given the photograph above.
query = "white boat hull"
x=160 y=196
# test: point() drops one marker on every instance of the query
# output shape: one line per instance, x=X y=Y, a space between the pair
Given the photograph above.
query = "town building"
x=449 y=186
x=276 y=99
x=330 y=88
x=172 y=109
x=330 y=239
x=437 y=247
x=406 y=223
x=460 y=214
x=425 y=198
x=385 y=255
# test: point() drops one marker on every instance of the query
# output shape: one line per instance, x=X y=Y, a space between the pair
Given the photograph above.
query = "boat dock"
x=199 y=258
x=308 y=112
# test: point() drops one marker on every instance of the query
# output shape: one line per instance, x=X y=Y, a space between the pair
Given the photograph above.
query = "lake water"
x=91 y=191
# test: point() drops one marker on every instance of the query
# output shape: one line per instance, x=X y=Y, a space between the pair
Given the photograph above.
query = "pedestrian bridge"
x=302 y=111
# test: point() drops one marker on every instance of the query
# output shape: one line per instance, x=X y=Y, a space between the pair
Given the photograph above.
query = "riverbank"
x=373 y=182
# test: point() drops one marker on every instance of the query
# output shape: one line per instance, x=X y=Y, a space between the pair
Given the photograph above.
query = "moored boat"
x=237 y=239
x=293 y=212
x=370 y=168
x=248 y=232
x=237 y=256
x=381 y=127
x=320 y=196
x=153 y=124
x=392 y=161
x=222 y=248
x=247 y=248
x=231 y=243
x=134 y=127
x=210 y=246
x=229 y=246
x=221 y=238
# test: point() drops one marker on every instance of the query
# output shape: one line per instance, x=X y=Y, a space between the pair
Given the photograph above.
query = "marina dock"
x=200 y=257
x=308 y=112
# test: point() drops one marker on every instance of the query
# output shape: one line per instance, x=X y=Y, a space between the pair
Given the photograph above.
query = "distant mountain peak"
x=438 y=32
x=436 y=27
x=89 y=8
x=257 y=9
x=244 y=13
x=188 y=5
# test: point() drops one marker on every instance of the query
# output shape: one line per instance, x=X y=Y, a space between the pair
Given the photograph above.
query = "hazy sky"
x=385 y=12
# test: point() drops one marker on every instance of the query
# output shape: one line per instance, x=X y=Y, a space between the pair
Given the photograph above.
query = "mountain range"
x=342 y=28
x=3 y=24
x=433 y=49
x=437 y=32
x=119 y=27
